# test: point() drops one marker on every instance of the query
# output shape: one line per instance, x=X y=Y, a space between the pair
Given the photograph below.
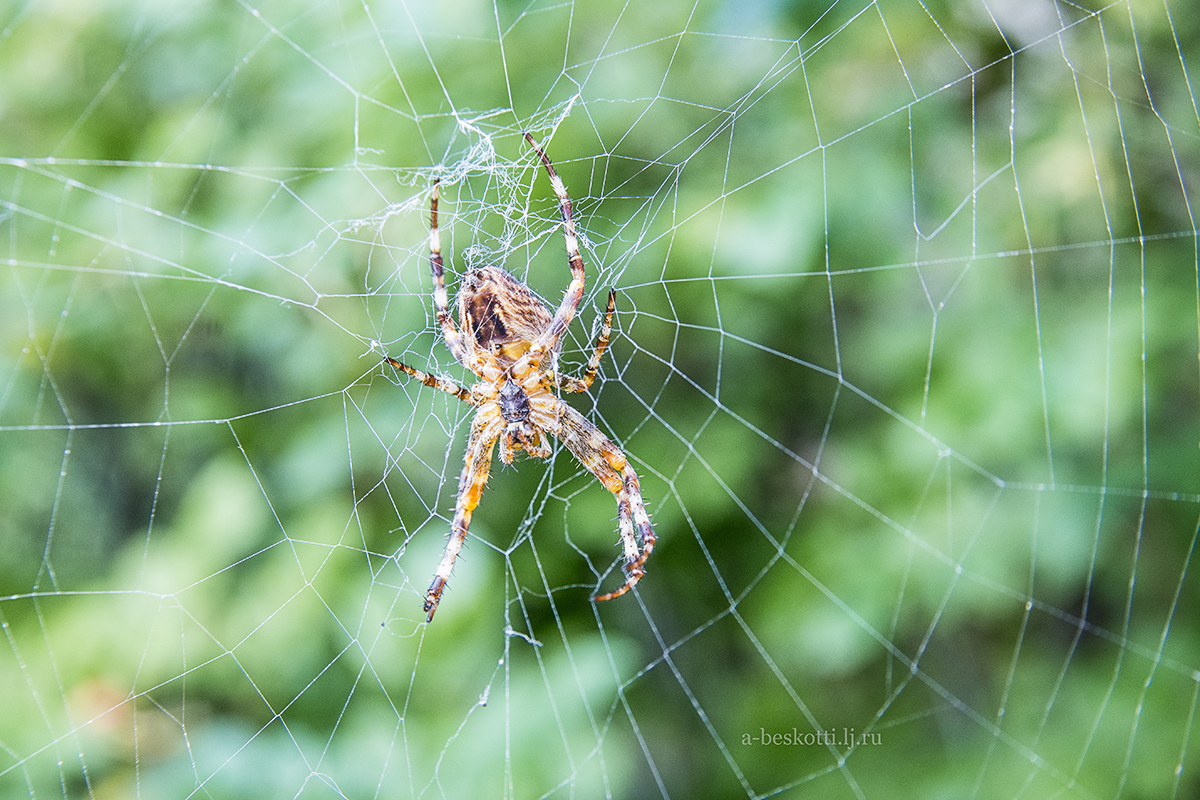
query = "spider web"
x=905 y=355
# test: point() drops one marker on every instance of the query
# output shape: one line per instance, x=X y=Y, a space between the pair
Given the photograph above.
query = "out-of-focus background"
x=905 y=355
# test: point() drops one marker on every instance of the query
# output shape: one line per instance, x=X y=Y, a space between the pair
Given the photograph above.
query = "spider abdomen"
x=502 y=314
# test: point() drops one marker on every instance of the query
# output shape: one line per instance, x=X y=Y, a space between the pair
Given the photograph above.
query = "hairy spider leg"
x=433 y=381
x=569 y=384
x=602 y=458
x=477 y=464
x=440 y=301
x=549 y=338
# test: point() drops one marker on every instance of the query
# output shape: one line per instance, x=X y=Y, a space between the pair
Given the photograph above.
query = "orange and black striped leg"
x=606 y=461
x=593 y=365
x=433 y=381
x=574 y=294
x=634 y=524
x=477 y=465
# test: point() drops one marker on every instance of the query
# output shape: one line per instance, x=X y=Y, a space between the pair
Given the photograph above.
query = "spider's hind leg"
x=549 y=338
x=441 y=302
x=593 y=366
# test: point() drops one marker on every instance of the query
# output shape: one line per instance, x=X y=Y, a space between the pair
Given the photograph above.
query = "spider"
x=507 y=337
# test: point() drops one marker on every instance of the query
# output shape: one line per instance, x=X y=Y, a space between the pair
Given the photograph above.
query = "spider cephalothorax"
x=508 y=338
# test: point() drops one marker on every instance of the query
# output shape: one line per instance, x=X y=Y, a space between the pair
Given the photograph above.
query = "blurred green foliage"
x=912 y=404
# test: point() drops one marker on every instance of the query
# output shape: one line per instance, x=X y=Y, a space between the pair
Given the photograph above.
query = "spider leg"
x=610 y=466
x=477 y=463
x=549 y=338
x=440 y=300
x=434 y=381
x=568 y=384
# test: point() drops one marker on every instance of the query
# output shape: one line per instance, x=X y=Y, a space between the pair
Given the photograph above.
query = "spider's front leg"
x=632 y=520
x=477 y=463
x=610 y=466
